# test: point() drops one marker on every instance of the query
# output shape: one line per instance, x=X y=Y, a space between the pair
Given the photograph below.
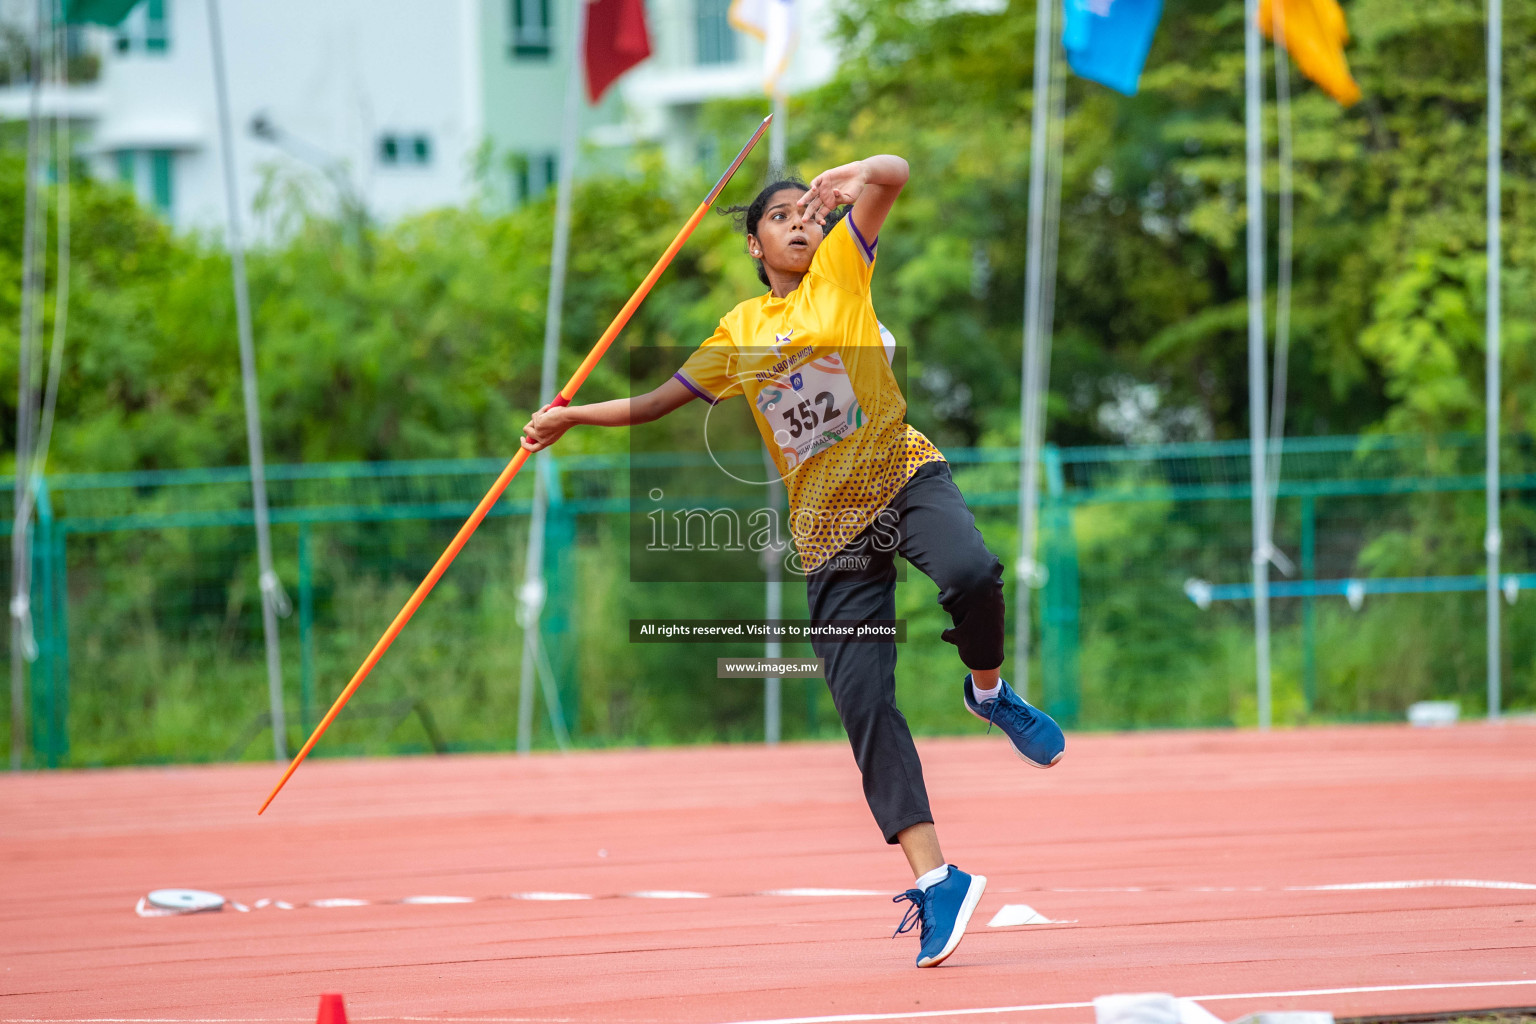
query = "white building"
x=401 y=105
x=697 y=56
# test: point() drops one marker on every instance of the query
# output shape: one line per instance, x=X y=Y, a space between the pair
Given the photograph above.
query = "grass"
x=166 y=663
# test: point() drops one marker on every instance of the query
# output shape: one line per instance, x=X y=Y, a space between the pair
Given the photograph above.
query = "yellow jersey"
x=818 y=373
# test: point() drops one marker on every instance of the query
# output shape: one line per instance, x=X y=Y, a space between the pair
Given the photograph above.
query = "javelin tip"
x=272 y=796
x=714 y=193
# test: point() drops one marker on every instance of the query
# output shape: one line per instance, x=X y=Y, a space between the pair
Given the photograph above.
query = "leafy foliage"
x=422 y=338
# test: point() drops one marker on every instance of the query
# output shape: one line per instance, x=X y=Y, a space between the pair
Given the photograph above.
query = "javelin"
x=478 y=515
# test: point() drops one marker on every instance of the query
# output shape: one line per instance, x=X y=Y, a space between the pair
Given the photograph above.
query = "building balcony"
x=81 y=103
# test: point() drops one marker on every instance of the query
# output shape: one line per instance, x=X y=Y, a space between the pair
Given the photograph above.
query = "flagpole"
x=273 y=601
x=531 y=595
x=1257 y=419
x=778 y=135
x=778 y=145
x=1493 y=540
x=1030 y=390
x=34 y=267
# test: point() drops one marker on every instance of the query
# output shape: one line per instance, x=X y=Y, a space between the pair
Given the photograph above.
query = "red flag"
x=616 y=41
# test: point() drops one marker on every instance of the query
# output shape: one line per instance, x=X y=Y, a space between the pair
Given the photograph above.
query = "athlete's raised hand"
x=832 y=188
x=871 y=185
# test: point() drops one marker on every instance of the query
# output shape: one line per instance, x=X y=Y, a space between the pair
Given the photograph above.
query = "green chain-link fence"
x=147 y=623
x=1385 y=605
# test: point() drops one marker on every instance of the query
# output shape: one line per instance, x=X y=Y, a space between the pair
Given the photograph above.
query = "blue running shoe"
x=942 y=911
x=1034 y=734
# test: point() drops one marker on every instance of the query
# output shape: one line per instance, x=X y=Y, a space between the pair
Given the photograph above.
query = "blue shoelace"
x=915 y=915
x=997 y=705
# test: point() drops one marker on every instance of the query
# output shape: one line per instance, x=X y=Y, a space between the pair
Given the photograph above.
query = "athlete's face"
x=783 y=241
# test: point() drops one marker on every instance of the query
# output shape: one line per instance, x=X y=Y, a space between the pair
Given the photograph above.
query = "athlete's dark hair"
x=748 y=216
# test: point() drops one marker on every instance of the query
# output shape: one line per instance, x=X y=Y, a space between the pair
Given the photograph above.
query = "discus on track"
x=478 y=515
x=185 y=901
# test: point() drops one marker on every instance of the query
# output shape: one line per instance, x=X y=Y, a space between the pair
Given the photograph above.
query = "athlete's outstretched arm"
x=548 y=424
x=871 y=185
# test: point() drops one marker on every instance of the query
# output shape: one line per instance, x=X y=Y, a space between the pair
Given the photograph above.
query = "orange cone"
x=331 y=1009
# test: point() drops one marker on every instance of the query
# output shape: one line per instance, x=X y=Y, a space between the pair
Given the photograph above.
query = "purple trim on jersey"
x=866 y=248
x=691 y=386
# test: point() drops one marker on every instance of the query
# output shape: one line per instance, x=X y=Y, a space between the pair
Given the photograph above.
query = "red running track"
x=1183 y=863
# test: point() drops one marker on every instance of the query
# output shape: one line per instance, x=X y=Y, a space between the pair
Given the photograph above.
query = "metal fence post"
x=1309 y=602
x=306 y=630
x=555 y=626
x=1059 y=627
x=60 y=617
x=40 y=673
x=49 y=674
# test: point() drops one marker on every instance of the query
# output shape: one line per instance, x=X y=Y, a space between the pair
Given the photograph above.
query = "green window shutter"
x=161 y=165
x=97 y=12
x=125 y=161
x=715 y=38
x=531 y=34
x=157 y=34
x=533 y=175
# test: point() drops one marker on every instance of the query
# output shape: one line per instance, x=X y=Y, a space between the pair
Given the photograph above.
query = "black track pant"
x=929 y=525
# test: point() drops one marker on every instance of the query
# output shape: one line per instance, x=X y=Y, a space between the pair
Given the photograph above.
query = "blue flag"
x=1107 y=40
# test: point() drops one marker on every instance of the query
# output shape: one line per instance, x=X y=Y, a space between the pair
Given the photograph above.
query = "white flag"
x=776 y=24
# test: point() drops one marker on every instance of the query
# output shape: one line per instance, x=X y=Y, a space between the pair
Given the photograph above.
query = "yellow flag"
x=776 y=24
x=1314 y=33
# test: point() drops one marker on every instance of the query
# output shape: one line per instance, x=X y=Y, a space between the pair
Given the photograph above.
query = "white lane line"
x=832 y=1019
x=1035 y=1007
x=144 y=909
x=1426 y=883
x=548 y=897
x=1368 y=988
x=1422 y=883
x=822 y=892
x=277 y=1020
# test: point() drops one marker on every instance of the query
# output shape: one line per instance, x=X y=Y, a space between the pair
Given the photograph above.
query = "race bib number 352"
x=810 y=409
